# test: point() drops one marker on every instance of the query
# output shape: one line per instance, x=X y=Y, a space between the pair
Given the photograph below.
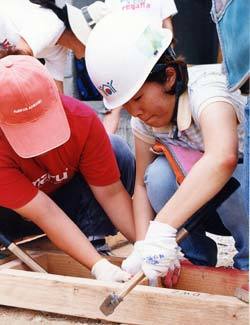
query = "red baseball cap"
x=31 y=113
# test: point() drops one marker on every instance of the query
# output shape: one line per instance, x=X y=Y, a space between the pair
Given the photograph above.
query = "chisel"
x=24 y=257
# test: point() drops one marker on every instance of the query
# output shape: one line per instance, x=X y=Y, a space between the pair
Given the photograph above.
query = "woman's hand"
x=160 y=253
x=157 y=256
x=132 y=264
x=106 y=271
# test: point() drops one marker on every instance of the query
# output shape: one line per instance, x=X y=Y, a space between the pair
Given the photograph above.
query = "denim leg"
x=236 y=219
x=125 y=160
x=161 y=184
x=79 y=203
x=15 y=226
x=246 y=157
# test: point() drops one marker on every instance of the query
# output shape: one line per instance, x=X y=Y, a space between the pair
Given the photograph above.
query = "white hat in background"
x=83 y=20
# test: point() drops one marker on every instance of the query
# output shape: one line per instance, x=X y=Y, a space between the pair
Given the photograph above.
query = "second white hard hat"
x=82 y=20
x=120 y=53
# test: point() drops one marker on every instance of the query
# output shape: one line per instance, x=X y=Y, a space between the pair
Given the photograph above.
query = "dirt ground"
x=16 y=316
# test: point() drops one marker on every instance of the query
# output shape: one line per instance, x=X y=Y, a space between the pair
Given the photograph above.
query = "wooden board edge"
x=82 y=298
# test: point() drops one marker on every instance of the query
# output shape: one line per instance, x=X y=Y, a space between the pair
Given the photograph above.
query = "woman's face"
x=152 y=104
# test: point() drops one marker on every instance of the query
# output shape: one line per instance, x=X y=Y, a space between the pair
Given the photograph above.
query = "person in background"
x=57 y=166
x=236 y=65
x=47 y=32
x=188 y=108
x=158 y=11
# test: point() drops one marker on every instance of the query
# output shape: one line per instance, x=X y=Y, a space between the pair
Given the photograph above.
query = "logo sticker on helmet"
x=107 y=89
x=150 y=42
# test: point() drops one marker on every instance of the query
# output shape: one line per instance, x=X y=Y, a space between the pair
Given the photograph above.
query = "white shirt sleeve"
x=55 y=61
x=207 y=85
x=168 y=9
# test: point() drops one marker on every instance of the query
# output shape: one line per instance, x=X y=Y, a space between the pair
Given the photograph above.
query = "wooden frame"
x=203 y=295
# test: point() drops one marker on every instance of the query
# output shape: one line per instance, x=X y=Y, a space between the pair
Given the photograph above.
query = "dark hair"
x=12 y=50
x=62 y=13
x=158 y=73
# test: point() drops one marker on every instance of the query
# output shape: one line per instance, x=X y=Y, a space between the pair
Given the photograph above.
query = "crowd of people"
x=62 y=173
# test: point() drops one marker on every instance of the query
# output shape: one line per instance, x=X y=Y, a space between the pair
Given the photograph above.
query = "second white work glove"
x=105 y=271
x=132 y=264
x=159 y=251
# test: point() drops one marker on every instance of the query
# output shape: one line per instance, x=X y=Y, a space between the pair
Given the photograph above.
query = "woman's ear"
x=170 y=78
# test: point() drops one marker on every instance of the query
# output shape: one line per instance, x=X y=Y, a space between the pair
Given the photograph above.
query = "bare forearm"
x=117 y=204
x=60 y=229
x=69 y=238
x=59 y=85
x=143 y=212
x=203 y=182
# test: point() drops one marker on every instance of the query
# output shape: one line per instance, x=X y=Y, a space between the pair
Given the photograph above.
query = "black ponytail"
x=62 y=13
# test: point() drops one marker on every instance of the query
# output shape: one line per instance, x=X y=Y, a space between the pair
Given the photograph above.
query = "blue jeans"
x=78 y=202
x=229 y=219
x=232 y=19
x=246 y=157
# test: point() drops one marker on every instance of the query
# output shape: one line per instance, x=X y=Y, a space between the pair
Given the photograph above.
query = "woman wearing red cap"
x=58 y=169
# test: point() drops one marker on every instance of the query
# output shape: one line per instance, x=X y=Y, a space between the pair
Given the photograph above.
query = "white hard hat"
x=120 y=52
x=82 y=20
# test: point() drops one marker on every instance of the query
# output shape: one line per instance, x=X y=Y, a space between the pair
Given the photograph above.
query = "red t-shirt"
x=88 y=151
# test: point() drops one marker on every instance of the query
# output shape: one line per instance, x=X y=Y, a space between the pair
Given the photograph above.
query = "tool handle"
x=25 y=258
x=128 y=286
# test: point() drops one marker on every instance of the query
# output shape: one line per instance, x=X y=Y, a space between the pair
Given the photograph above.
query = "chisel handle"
x=128 y=286
x=24 y=257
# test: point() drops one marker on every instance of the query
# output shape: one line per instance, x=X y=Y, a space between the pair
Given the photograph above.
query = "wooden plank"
x=41 y=258
x=213 y=280
x=220 y=281
x=33 y=243
x=144 y=305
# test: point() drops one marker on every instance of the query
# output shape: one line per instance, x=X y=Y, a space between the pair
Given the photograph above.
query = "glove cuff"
x=98 y=267
x=158 y=229
x=137 y=244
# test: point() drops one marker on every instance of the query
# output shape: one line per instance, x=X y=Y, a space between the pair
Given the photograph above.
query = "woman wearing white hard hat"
x=134 y=66
x=46 y=29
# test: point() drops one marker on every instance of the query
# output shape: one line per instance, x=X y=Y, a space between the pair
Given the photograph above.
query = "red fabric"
x=87 y=151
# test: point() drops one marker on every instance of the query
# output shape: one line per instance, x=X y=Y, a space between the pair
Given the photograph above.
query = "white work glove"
x=132 y=264
x=105 y=271
x=160 y=253
x=97 y=11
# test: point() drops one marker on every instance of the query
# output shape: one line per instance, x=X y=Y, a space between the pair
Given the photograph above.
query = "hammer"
x=24 y=257
x=113 y=300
